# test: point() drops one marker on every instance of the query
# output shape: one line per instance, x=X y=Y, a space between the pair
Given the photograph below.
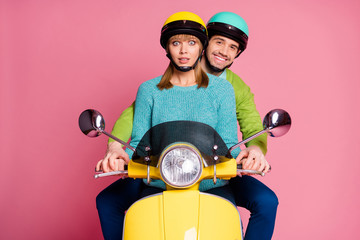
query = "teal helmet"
x=229 y=25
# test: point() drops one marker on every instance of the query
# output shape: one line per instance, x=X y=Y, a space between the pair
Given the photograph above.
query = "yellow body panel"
x=182 y=215
x=219 y=219
x=144 y=219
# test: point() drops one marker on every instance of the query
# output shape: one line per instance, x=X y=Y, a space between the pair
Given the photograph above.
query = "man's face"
x=221 y=51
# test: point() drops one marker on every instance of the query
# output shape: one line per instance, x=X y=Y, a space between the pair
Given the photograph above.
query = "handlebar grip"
x=240 y=171
x=120 y=173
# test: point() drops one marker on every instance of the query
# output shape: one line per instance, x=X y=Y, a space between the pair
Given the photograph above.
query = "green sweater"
x=246 y=113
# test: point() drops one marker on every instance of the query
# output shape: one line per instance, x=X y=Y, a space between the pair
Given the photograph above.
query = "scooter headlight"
x=180 y=165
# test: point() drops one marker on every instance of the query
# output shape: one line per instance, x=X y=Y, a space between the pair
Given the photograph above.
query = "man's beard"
x=213 y=68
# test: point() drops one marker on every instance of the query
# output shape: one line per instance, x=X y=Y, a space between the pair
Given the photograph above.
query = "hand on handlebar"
x=252 y=158
x=115 y=159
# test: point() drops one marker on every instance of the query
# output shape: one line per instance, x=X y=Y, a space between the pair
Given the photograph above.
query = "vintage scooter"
x=182 y=154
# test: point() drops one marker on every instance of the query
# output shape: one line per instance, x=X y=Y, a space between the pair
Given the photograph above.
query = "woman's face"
x=184 y=49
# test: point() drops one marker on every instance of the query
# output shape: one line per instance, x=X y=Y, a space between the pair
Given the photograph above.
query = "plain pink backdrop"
x=60 y=57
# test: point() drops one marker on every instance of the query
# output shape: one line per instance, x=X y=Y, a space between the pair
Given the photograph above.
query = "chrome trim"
x=102 y=174
x=215 y=180
x=239 y=171
x=148 y=179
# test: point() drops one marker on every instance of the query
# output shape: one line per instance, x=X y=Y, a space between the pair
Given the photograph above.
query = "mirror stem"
x=118 y=140
x=247 y=140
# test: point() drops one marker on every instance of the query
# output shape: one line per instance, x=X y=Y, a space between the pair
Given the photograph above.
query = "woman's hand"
x=114 y=160
x=252 y=158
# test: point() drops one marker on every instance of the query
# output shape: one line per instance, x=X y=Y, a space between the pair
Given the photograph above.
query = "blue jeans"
x=246 y=192
x=262 y=203
x=113 y=201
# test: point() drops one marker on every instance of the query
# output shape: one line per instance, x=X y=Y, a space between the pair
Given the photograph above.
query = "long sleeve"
x=247 y=115
x=123 y=126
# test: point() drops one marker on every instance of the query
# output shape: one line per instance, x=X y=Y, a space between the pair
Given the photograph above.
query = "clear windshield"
x=202 y=136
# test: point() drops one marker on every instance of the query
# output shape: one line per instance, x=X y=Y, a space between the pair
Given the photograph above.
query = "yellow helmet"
x=184 y=23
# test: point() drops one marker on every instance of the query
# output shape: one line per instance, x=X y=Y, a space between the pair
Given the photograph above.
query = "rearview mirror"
x=92 y=124
x=276 y=123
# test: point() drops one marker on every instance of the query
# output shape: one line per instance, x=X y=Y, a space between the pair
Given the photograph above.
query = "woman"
x=184 y=92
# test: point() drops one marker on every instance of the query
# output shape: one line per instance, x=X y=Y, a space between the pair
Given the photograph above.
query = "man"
x=228 y=36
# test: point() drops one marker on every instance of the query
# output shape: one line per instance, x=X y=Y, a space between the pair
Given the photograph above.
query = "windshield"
x=202 y=136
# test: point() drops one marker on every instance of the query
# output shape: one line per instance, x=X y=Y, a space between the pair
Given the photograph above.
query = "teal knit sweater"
x=214 y=105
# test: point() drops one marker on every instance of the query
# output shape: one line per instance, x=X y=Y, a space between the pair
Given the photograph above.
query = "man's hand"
x=114 y=160
x=252 y=158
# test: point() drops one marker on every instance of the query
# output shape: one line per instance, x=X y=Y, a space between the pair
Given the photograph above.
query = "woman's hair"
x=202 y=80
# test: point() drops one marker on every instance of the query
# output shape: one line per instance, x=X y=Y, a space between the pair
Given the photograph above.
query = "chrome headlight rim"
x=187 y=146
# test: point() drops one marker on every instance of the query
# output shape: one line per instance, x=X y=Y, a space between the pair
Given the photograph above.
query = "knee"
x=108 y=200
x=266 y=202
x=271 y=199
x=118 y=196
x=103 y=200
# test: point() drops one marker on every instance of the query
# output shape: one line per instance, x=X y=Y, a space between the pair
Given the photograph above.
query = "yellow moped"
x=182 y=154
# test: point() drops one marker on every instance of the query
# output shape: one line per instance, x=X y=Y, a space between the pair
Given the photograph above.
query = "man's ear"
x=238 y=53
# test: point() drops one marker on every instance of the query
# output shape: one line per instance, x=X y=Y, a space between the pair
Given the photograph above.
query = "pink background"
x=60 y=57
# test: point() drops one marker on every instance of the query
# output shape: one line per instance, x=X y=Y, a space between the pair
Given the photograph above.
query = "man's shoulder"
x=230 y=75
x=235 y=80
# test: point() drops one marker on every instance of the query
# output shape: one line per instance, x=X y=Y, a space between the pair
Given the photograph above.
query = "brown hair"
x=202 y=80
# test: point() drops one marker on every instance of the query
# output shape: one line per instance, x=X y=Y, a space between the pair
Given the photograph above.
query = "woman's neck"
x=183 y=79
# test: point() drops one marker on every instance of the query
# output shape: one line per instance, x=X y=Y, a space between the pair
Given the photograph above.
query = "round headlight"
x=180 y=165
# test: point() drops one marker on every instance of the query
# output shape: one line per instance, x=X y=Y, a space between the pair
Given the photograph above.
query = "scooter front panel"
x=172 y=215
x=181 y=214
x=219 y=219
x=144 y=219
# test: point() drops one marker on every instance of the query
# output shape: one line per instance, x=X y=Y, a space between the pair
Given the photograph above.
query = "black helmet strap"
x=213 y=68
x=183 y=68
